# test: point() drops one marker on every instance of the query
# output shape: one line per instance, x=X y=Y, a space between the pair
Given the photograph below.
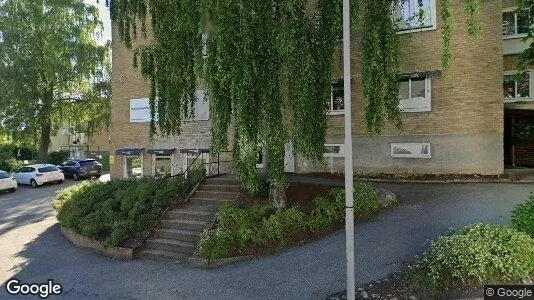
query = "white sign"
x=139 y=110
x=411 y=150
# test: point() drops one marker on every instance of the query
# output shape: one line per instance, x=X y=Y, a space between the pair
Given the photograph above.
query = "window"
x=334 y=150
x=4 y=175
x=337 y=98
x=201 y=108
x=516 y=86
x=514 y=23
x=411 y=150
x=416 y=14
x=133 y=167
x=415 y=94
x=48 y=169
x=162 y=165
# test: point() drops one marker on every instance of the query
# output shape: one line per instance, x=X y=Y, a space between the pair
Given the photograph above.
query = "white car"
x=37 y=175
x=7 y=182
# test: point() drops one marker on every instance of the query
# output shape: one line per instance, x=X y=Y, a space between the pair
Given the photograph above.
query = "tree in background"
x=266 y=66
x=52 y=69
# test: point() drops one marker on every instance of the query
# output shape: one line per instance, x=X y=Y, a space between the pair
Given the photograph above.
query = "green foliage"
x=114 y=211
x=476 y=254
x=240 y=229
x=8 y=163
x=52 y=69
x=331 y=210
x=446 y=16
x=523 y=216
x=267 y=66
x=58 y=157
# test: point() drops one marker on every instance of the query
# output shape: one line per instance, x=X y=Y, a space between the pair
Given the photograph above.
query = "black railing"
x=184 y=174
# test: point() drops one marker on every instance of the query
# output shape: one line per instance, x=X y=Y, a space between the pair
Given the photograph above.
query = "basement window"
x=334 y=150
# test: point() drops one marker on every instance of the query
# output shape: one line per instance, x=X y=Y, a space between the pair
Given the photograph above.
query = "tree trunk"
x=46 y=125
x=44 y=143
x=277 y=196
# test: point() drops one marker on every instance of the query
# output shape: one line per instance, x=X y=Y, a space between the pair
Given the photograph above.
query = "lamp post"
x=349 y=183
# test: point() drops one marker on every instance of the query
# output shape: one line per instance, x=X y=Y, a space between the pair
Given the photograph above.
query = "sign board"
x=411 y=150
x=139 y=110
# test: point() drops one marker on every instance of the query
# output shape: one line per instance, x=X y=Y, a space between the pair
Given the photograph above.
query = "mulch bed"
x=300 y=195
x=396 y=286
x=439 y=177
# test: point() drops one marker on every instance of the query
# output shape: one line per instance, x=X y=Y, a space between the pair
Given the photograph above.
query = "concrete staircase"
x=177 y=236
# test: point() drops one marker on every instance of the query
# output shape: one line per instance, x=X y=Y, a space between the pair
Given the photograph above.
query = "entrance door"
x=519 y=138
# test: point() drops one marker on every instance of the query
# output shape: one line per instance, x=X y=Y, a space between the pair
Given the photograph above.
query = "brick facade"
x=464 y=126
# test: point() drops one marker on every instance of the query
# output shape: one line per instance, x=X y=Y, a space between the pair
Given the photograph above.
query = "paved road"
x=36 y=251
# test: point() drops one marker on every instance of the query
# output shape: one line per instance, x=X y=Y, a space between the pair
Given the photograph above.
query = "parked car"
x=7 y=182
x=37 y=175
x=80 y=168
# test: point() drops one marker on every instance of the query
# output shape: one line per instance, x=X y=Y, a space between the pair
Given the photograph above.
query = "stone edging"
x=427 y=181
x=215 y=263
x=97 y=246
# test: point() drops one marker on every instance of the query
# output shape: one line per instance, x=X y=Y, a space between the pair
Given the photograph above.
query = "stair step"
x=170 y=245
x=212 y=209
x=216 y=195
x=220 y=187
x=194 y=215
x=162 y=255
x=178 y=235
x=222 y=181
x=210 y=201
x=184 y=224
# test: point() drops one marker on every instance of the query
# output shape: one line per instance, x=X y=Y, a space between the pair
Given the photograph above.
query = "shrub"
x=8 y=163
x=476 y=254
x=331 y=210
x=58 y=157
x=241 y=228
x=115 y=210
x=523 y=216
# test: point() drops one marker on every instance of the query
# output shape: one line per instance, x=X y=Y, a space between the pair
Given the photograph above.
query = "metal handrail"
x=166 y=178
x=184 y=173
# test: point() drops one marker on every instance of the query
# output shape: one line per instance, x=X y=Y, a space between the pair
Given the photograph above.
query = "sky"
x=103 y=12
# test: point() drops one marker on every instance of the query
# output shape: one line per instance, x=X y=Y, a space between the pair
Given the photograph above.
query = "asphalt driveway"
x=312 y=271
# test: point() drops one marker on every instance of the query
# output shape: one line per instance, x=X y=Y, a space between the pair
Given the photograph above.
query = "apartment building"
x=459 y=120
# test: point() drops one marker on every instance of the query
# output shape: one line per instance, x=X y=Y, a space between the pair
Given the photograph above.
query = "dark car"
x=80 y=168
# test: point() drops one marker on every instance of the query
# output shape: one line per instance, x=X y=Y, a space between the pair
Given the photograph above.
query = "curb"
x=97 y=246
x=449 y=181
x=205 y=263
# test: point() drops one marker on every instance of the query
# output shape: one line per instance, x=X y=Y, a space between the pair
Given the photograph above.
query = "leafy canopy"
x=52 y=69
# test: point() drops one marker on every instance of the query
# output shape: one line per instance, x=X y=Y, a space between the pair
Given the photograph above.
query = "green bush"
x=476 y=254
x=523 y=216
x=331 y=210
x=239 y=229
x=115 y=210
x=58 y=157
x=8 y=163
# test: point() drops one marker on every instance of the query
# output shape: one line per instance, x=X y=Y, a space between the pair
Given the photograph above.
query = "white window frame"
x=433 y=15
x=515 y=35
x=429 y=155
x=341 y=152
x=331 y=110
x=530 y=83
x=155 y=156
x=125 y=165
x=207 y=103
x=426 y=102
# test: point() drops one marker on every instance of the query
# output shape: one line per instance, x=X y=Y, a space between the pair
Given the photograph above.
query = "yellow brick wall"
x=466 y=98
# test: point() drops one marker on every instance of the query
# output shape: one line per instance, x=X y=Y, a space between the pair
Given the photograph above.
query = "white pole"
x=349 y=188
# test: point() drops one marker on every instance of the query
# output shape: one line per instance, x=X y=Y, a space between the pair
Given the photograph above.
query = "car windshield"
x=48 y=169
x=4 y=175
x=88 y=163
